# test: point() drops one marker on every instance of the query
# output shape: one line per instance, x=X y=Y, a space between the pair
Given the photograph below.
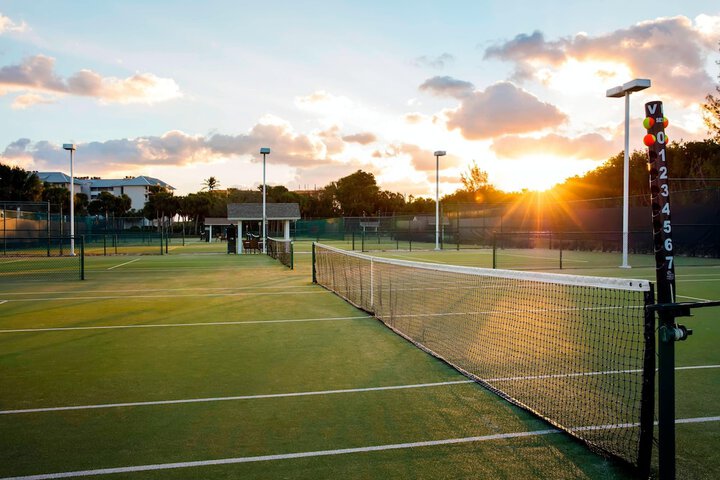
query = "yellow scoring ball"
x=648 y=123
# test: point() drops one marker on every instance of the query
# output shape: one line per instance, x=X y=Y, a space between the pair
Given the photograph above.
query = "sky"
x=183 y=90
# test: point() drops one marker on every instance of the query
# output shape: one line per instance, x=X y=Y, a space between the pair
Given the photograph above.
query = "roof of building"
x=253 y=211
x=218 y=221
x=141 y=181
x=58 y=177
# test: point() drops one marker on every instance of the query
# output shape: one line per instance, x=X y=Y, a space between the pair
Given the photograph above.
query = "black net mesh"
x=282 y=250
x=573 y=350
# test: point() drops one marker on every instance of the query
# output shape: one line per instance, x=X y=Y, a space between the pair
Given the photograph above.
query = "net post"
x=362 y=241
x=82 y=257
x=292 y=256
x=167 y=242
x=372 y=285
x=104 y=245
x=314 y=271
x=115 y=243
x=647 y=395
x=353 y=240
x=161 y=243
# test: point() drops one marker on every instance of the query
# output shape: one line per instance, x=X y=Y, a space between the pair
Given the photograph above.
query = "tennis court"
x=225 y=366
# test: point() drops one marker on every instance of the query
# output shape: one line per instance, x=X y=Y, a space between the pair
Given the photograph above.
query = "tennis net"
x=576 y=351
x=282 y=250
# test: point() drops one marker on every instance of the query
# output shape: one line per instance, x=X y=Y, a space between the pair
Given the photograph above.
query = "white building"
x=137 y=188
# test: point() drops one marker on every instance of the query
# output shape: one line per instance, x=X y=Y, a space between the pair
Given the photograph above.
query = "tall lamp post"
x=264 y=151
x=71 y=147
x=620 y=91
x=438 y=154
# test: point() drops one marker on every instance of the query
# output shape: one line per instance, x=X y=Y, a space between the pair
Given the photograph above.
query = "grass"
x=257 y=355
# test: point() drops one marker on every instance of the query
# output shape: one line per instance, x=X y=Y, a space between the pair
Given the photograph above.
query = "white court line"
x=588 y=374
x=126 y=263
x=240 y=397
x=324 y=453
x=260 y=287
x=3 y=301
x=197 y=324
x=694 y=298
x=11 y=261
x=320 y=392
x=134 y=297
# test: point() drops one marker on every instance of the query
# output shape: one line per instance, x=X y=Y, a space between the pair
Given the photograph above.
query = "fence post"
x=82 y=257
x=314 y=274
x=161 y=243
x=494 y=248
x=560 y=241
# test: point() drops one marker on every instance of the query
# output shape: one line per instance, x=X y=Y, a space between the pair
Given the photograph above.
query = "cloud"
x=434 y=62
x=671 y=51
x=334 y=144
x=502 y=109
x=26 y=100
x=176 y=148
x=447 y=86
x=8 y=25
x=363 y=138
x=36 y=75
x=414 y=118
x=590 y=146
x=420 y=158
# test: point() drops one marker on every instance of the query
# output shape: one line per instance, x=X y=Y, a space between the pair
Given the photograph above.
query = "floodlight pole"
x=438 y=154
x=625 y=90
x=71 y=147
x=264 y=151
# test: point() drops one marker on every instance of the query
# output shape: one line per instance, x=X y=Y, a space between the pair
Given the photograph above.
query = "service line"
x=126 y=263
x=194 y=324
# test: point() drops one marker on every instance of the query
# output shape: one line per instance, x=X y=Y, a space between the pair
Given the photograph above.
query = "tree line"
x=693 y=166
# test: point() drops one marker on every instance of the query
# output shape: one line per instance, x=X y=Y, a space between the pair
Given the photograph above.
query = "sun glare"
x=538 y=173
x=575 y=77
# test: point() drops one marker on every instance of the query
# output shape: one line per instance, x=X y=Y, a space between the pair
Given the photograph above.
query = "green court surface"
x=208 y=365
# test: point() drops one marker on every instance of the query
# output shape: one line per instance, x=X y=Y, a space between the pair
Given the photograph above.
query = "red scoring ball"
x=649 y=140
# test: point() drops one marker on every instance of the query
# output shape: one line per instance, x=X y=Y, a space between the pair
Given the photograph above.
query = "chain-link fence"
x=42 y=259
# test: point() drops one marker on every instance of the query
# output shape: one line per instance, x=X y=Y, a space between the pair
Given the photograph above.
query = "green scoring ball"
x=648 y=123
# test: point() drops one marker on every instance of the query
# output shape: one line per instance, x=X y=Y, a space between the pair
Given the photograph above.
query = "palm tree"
x=211 y=184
